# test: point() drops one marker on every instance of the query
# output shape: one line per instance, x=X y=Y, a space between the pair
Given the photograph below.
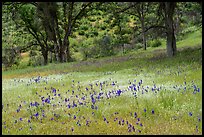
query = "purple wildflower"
x=135 y=114
x=145 y=110
x=104 y=119
x=141 y=124
x=152 y=111
x=18 y=110
x=36 y=115
x=47 y=100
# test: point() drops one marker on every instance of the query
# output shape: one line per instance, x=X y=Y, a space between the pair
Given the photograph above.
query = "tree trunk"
x=62 y=54
x=144 y=35
x=142 y=16
x=51 y=57
x=123 y=48
x=64 y=48
x=45 y=55
x=171 y=40
x=68 y=56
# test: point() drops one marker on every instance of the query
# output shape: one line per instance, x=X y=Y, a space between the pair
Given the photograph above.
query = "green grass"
x=191 y=39
x=172 y=103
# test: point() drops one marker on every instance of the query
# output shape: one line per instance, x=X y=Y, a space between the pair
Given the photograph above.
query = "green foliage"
x=139 y=46
x=10 y=57
x=154 y=43
x=81 y=32
x=102 y=27
x=84 y=27
x=97 y=47
x=105 y=46
x=92 y=19
x=189 y=30
x=35 y=59
x=95 y=33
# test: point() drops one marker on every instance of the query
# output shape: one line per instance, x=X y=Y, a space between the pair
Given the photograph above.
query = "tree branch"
x=81 y=11
x=30 y=45
x=123 y=10
x=155 y=26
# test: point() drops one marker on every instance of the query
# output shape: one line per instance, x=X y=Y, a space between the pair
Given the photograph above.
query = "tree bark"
x=45 y=55
x=141 y=15
x=143 y=34
x=64 y=49
x=50 y=57
x=171 y=40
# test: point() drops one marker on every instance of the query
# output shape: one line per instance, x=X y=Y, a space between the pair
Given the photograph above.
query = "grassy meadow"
x=142 y=92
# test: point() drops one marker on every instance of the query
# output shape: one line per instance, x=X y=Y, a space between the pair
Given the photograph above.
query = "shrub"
x=154 y=43
x=81 y=32
x=92 y=19
x=87 y=35
x=36 y=59
x=10 y=57
x=95 y=33
x=107 y=21
x=99 y=18
x=84 y=27
x=103 y=27
x=105 y=46
x=139 y=46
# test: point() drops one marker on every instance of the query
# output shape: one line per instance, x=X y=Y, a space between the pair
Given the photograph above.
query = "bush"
x=92 y=19
x=139 y=45
x=87 y=35
x=154 y=43
x=95 y=33
x=84 y=27
x=10 y=57
x=97 y=47
x=81 y=32
x=36 y=59
x=103 y=27
x=107 y=21
x=105 y=46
